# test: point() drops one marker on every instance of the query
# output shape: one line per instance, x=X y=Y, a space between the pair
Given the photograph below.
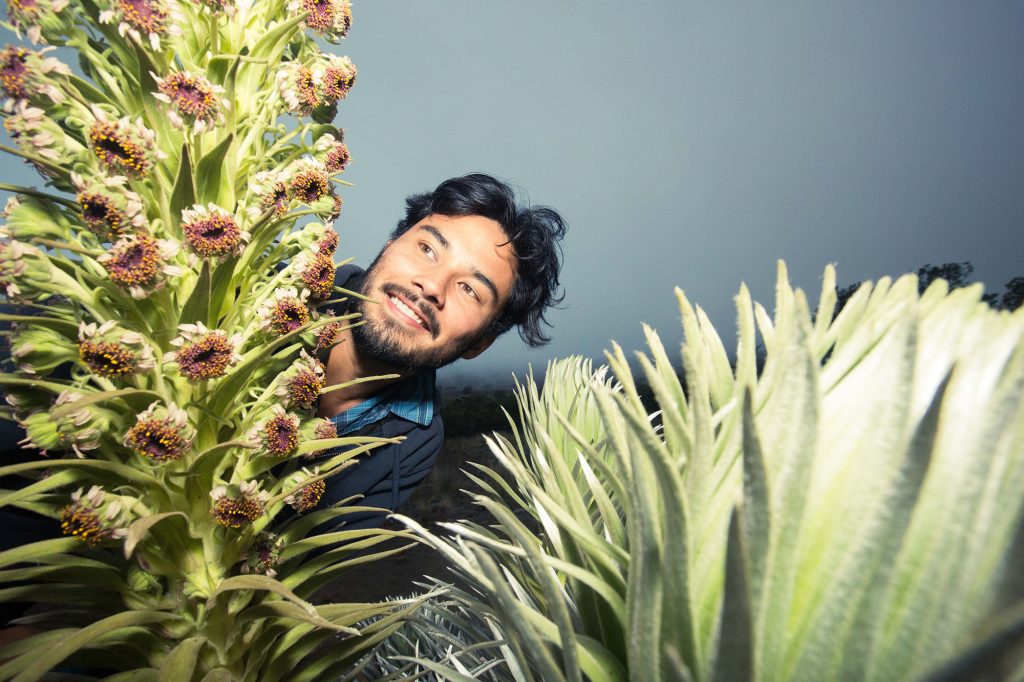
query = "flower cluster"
x=203 y=353
x=279 y=433
x=330 y=18
x=328 y=335
x=301 y=383
x=212 y=232
x=137 y=18
x=95 y=516
x=35 y=16
x=235 y=506
x=285 y=311
x=309 y=183
x=40 y=136
x=316 y=270
x=319 y=429
x=109 y=208
x=161 y=434
x=123 y=146
x=264 y=555
x=136 y=263
x=323 y=84
x=37 y=351
x=306 y=181
x=194 y=100
x=80 y=430
x=271 y=187
x=25 y=76
x=333 y=152
x=308 y=496
x=111 y=352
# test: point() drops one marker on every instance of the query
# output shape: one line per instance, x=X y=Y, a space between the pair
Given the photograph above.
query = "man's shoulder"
x=347 y=275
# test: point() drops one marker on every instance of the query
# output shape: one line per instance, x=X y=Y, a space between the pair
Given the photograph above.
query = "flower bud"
x=308 y=496
x=300 y=384
x=40 y=19
x=80 y=430
x=39 y=350
x=140 y=264
x=284 y=311
x=123 y=146
x=204 y=353
x=161 y=434
x=110 y=351
x=264 y=555
x=39 y=135
x=330 y=18
x=96 y=515
x=145 y=21
x=27 y=77
x=25 y=271
x=235 y=506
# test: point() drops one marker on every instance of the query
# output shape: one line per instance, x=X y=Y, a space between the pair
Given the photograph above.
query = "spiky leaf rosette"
x=163 y=290
x=852 y=511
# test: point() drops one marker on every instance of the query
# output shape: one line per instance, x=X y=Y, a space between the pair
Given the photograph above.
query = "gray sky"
x=693 y=144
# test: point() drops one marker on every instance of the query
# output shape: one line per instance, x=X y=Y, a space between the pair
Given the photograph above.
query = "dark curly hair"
x=533 y=232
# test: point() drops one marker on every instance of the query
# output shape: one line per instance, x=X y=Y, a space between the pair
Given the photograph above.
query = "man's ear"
x=479 y=347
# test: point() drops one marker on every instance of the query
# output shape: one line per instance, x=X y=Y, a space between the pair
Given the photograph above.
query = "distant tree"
x=957 y=275
x=1013 y=297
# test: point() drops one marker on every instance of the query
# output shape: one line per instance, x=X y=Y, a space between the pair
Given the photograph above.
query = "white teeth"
x=408 y=311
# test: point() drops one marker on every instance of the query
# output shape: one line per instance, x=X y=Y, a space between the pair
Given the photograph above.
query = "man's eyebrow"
x=486 y=282
x=437 y=234
x=484 y=279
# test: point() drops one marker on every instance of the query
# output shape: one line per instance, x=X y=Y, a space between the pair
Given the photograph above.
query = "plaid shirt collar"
x=412 y=399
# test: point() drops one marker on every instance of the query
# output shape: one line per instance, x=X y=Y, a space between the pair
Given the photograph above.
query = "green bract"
x=847 y=511
x=161 y=354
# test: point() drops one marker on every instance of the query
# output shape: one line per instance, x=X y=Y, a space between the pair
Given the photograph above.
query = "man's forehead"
x=480 y=240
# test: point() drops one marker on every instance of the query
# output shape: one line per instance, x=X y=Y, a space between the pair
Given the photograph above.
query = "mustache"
x=423 y=308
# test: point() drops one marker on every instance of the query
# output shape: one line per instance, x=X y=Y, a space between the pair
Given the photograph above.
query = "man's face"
x=435 y=290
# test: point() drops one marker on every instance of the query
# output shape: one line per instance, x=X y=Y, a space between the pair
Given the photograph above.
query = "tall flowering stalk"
x=159 y=348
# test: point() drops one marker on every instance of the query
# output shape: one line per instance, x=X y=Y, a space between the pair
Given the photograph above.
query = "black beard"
x=382 y=339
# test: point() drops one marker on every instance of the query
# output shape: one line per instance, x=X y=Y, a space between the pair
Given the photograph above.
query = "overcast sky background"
x=694 y=144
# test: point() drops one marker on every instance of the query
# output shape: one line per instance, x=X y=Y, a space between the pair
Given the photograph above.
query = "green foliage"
x=167 y=297
x=850 y=513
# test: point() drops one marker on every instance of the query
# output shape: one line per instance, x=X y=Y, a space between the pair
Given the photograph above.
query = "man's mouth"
x=409 y=312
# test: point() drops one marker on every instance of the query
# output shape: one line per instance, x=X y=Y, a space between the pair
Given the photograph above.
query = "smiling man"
x=464 y=266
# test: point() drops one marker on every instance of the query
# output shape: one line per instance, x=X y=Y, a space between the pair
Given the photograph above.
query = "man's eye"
x=469 y=290
x=425 y=248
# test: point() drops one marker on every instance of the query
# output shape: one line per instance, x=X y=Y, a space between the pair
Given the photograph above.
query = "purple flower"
x=161 y=434
x=203 y=353
x=136 y=263
x=236 y=506
x=111 y=352
x=212 y=232
x=285 y=311
x=194 y=98
x=123 y=146
x=330 y=18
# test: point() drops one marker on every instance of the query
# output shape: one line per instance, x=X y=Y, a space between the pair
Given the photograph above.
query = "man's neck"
x=345 y=364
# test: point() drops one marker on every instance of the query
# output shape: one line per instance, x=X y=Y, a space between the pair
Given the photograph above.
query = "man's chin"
x=386 y=350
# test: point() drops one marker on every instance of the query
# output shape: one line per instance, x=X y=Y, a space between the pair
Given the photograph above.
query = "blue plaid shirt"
x=412 y=399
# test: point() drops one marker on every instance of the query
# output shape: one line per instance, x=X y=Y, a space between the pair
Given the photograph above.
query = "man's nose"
x=431 y=285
